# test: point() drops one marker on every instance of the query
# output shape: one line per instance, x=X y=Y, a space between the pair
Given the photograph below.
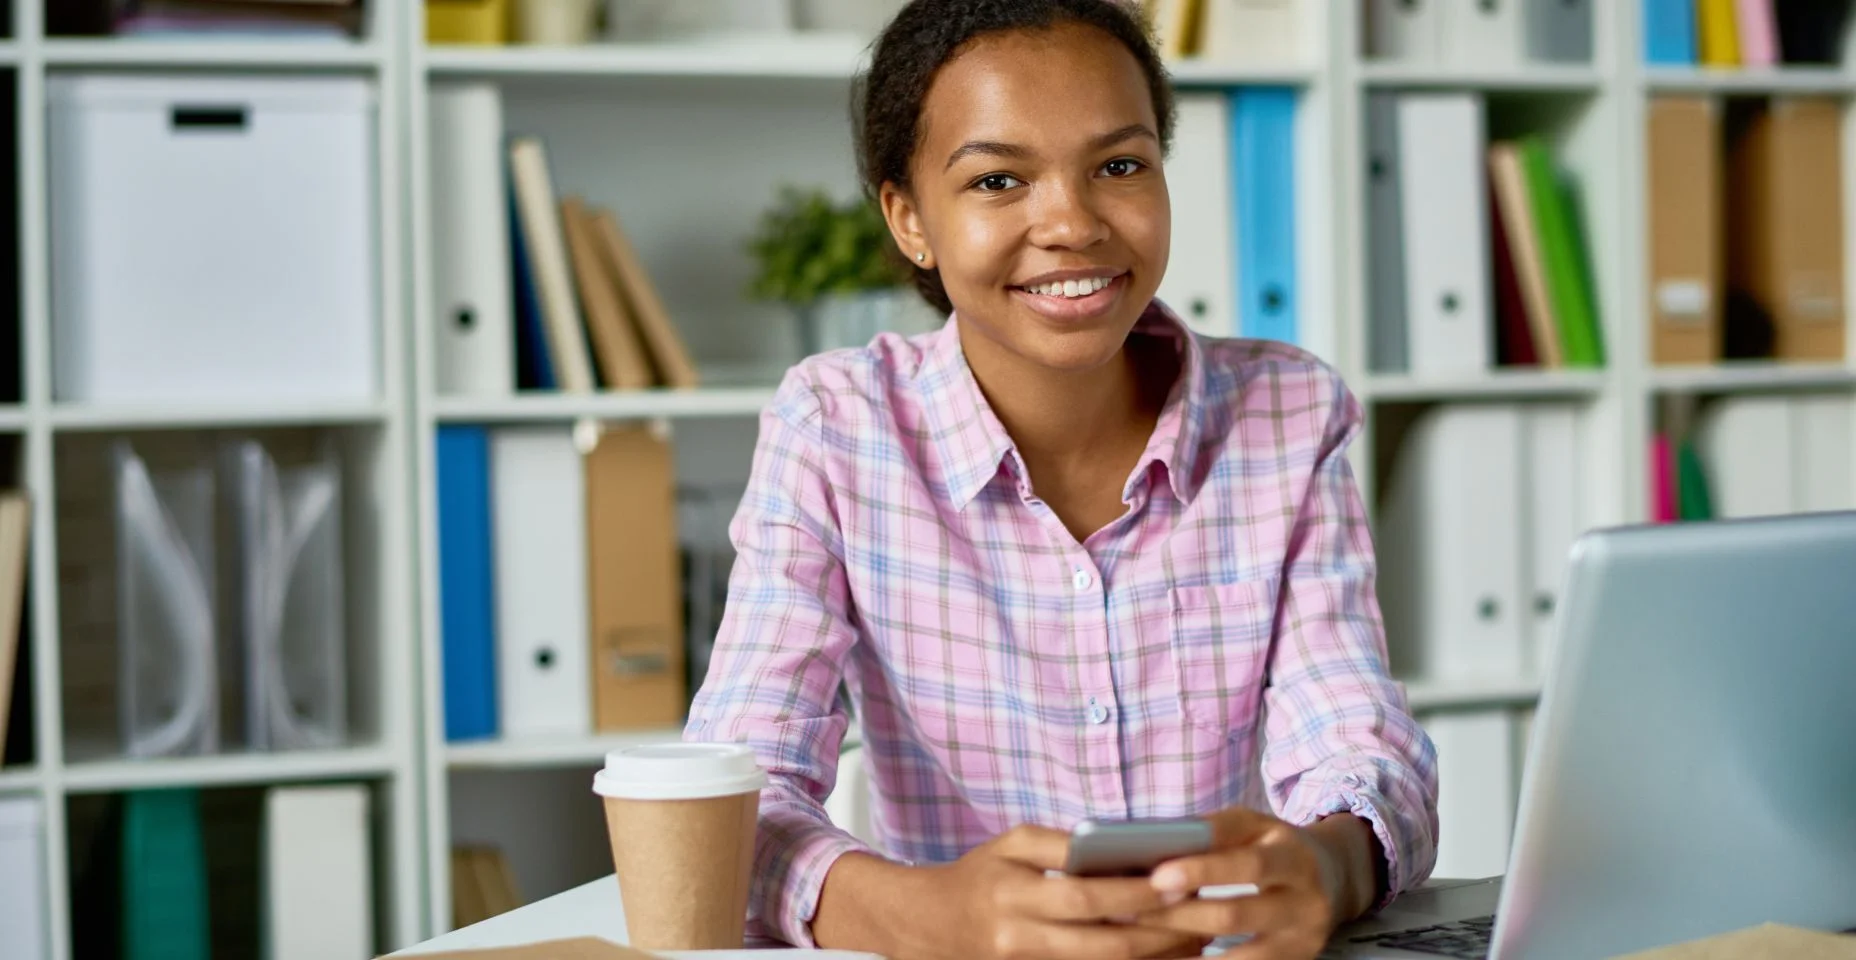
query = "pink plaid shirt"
x=1218 y=644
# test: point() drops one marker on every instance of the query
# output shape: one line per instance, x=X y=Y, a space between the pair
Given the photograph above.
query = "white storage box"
x=213 y=239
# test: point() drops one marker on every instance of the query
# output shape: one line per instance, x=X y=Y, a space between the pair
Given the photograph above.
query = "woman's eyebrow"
x=1013 y=151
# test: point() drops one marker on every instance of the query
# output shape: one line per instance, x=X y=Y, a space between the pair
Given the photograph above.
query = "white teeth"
x=1071 y=289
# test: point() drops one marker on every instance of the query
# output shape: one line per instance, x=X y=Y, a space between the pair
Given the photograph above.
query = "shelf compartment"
x=225 y=54
x=1557 y=78
x=552 y=752
x=77 y=417
x=629 y=405
x=1807 y=80
x=1492 y=385
x=228 y=769
x=1752 y=377
x=1457 y=694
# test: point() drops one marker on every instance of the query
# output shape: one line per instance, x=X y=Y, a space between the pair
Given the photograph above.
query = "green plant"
x=807 y=246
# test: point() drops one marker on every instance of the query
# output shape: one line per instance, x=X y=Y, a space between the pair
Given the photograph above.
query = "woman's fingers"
x=1258 y=914
x=1271 y=858
x=1083 y=899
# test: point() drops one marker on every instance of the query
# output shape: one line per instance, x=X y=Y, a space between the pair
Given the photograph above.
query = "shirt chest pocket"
x=1221 y=645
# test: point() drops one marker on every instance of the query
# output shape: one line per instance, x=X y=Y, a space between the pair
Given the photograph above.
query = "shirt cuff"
x=795 y=852
x=1405 y=866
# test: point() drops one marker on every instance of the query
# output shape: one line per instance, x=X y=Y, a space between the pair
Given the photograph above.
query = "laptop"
x=1693 y=762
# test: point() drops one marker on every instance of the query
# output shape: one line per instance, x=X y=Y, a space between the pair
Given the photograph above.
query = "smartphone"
x=1133 y=848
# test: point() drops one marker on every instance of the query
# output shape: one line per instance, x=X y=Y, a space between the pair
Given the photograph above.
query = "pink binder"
x=1662 y=480
x=1759 y=46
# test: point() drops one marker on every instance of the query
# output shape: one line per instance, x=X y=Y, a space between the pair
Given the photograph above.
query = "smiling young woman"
x=1070 y=559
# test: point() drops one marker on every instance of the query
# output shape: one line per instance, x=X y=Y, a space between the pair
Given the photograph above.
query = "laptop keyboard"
x=1468 y=939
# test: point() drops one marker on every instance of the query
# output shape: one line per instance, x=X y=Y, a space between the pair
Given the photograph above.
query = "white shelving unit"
x=375 y=438
x=658 y=133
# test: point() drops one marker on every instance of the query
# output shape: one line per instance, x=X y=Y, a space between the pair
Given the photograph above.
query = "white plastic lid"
x=679 y=771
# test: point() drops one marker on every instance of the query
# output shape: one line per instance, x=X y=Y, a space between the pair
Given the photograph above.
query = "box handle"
x=223 y=118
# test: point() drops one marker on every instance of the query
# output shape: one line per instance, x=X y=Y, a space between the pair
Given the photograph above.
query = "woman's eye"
x=1124 y=167
x=996 y=182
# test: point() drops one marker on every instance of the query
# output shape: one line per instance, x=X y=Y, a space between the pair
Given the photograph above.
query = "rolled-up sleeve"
x=1340 y=736
x=779 y=657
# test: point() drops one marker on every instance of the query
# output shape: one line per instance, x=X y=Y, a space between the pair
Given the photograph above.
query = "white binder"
x=1552 y=475
x=473 y=329
x=22 y=892
x=1446 y=232
x=1475 y=792
x=1746 y=445
x=318 y=890
x=539 y=528
x=1450 y=580
x=1484 y=34
x=1821 y=453
x=1409 y=31
x=1253 y=32
x=1201 y=273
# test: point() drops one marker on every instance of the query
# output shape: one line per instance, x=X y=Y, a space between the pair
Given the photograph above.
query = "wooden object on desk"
x=1770 y=940
x=579 y=948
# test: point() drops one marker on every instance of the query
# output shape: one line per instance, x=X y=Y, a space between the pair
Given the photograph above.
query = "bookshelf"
x=71 y=769
x=688 y=192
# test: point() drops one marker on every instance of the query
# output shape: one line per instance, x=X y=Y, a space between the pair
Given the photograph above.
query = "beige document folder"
x=634 y=580
x=1785 y=224
x=1683 y=207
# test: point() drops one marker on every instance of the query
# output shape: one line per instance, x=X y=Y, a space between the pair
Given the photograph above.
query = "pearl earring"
x=920 y=257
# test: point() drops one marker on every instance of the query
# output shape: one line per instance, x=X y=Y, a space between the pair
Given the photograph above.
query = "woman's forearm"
x=1353 y=852
x=873 y=905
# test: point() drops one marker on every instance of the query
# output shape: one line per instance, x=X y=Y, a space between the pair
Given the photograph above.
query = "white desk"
x=590 y=910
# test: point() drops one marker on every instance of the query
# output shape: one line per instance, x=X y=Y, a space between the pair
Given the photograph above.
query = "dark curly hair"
x=887 y=103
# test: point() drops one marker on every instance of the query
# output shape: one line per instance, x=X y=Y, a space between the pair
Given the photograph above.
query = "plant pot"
x=861 y=18
x=843 y=320
x=555 y=22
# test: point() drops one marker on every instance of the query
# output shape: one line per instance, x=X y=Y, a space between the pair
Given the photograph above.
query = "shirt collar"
x=1176 y=437
x=971 y=442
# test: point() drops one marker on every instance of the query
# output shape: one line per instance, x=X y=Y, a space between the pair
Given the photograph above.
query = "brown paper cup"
x=684 y=868
x=682 y=818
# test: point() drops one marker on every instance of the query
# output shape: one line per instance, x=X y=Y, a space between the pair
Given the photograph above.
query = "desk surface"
x=589 y=910
x=594 y=910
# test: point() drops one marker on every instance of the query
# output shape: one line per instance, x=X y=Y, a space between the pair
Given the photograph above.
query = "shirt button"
x=1080 y=579
x=1098 y=714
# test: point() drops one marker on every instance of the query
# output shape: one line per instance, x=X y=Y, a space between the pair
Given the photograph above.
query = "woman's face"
x=1037 y=180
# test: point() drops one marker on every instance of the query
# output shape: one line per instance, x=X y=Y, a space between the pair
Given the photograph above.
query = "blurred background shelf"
x=84 y=417
x=232 y=769
x=1796 y=80
x=631 y=405
x=1213 y=73
x=1510 y=384
x=22 y=779
x=539 y=753
x=1541 y=78
x=826 y=57
x=1426 y=695
x=1752 y=376
x=240 y=54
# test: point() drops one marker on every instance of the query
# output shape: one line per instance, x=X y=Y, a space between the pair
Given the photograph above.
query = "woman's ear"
x=905 y=224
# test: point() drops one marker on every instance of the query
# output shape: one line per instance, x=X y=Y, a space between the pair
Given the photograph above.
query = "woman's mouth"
x=1075 y=299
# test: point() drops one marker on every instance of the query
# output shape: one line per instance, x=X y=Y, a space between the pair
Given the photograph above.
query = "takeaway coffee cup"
x=681 y=818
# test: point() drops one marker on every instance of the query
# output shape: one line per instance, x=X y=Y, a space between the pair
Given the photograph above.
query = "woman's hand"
x=1007 y=908
x=1307 y=882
